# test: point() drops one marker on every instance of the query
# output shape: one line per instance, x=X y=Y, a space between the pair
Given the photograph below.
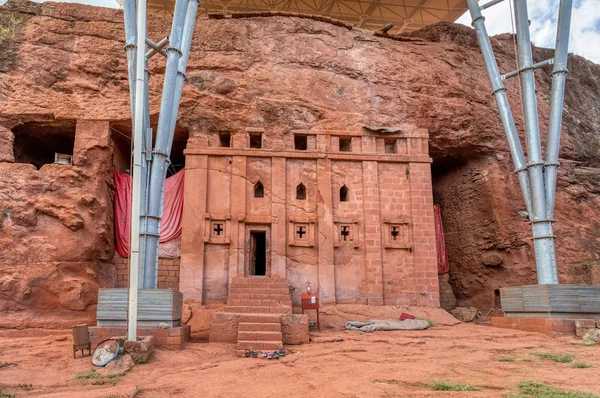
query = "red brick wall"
x=168 y=272
x=447 y=297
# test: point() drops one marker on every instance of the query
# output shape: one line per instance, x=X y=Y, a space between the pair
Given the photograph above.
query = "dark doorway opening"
x=37 y=143
x=258 y=253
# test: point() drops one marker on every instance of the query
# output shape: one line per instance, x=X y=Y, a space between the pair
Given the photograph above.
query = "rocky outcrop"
x=56 y=235
x=65 y=62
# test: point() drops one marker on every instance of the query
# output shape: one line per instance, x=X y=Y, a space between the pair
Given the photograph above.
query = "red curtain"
x=170 y=225
x=440 y=242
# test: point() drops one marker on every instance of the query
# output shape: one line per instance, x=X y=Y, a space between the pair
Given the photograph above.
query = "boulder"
x=465 y=314
x=592 y=337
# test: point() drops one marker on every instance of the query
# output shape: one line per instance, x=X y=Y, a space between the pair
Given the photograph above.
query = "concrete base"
x=171 y=338
x=549 y=326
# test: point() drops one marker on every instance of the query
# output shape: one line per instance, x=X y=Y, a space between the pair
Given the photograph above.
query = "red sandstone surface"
x=334 y=364
x=66 y=63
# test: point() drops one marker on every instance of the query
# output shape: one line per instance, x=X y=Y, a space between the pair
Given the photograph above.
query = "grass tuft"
x=6 y=395
x=534 y=389
x=89 y=375
x=506 y=360
x=443 y=386
x=5 y=364
x=115 y=375
x=557 y=358
x=582 y=365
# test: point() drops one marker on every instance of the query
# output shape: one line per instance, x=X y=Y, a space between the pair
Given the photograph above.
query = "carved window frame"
x=210 y=221
x=309 y=240
x=404 y=226
x=354 y=240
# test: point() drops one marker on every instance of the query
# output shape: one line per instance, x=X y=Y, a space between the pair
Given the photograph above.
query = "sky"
x=543 y=14
x=585 y=23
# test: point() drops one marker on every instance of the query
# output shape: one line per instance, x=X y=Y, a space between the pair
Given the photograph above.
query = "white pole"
x=134 y=265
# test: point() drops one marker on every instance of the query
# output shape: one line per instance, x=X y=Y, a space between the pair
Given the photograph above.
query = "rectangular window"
x=390 y=145
x=300 y=142
x=345 y=144
x=225 y=140
x=256 y=140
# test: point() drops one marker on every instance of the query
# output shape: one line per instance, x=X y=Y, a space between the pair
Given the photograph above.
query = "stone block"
x=583 y=326
x=294 y=328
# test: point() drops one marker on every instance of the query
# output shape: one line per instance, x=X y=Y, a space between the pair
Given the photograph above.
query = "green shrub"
x=557 y=358
x=443 y=386
x=534 y=389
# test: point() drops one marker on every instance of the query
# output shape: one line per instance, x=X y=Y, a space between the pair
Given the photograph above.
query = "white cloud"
x=585 y=24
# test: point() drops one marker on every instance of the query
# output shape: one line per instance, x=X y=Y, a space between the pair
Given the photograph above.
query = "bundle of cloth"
x=375 y=325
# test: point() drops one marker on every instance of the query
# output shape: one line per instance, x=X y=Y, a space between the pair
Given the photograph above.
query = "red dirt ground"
x=334 y=364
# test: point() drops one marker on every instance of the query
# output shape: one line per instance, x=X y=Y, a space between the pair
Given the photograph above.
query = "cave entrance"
x=441 y=168
x=38 y=143
x=121 y=144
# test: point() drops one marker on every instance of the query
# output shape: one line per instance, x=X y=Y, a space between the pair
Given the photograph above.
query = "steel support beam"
x=157 y=47
x=160 y=160
x=535 y=66
x=499 y=93
x=138 y=136
x=559 y=75
x=543 y=238
x=537 y=178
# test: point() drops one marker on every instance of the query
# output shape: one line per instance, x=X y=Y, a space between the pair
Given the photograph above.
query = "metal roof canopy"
x=407 y=15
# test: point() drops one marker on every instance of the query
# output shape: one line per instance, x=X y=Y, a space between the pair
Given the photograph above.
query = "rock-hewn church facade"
x=348 y=211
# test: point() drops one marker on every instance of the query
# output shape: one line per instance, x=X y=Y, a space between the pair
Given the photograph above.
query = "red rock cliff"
x=65 y=65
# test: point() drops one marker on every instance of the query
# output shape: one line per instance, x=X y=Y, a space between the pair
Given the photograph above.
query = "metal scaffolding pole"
x=537 y=179
x=158 y=170
x=130 y=46
x=499 y=93
x=559 y=75
x=137 y=171
x=186 y=43
x=543 y=239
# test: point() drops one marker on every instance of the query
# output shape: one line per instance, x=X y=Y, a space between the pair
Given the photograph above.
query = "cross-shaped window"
x=345 y=232
x=395 y=232
x=218 y=229
x=300 y=231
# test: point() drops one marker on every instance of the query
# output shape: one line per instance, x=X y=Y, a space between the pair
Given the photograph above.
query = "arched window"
x=301 y=192
x=343 y=194
x=259 y=190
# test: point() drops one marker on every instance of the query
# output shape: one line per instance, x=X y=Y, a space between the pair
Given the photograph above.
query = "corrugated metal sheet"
x=551 y=300
x=155 y=306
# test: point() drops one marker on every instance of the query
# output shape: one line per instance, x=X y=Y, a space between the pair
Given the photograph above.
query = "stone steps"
x=259 y=327
x=259 y=296
x=259 y=280
x=239 y=309
x=259 y=290
x=260 y=301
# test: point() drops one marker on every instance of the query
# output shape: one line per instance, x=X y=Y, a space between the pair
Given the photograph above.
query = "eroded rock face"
x=66 y=62
x=56 y=235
